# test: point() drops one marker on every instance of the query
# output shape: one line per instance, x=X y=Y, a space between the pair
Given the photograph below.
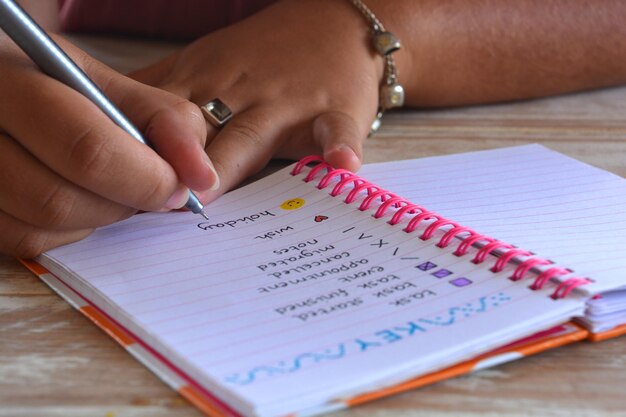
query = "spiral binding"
x=421 y=214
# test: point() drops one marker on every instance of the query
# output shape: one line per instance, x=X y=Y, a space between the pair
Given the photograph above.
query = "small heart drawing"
x=320 y=218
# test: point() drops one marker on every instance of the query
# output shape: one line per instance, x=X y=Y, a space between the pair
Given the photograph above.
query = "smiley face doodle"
x=292 y=204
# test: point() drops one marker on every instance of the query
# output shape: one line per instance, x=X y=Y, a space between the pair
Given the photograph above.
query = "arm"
x=475 y=51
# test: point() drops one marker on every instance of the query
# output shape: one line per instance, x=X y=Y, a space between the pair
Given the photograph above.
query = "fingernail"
x=216 y=184
x=178 y=199
x=342 y=156
x=339 y=148
x=216 y=178
x=344 y=150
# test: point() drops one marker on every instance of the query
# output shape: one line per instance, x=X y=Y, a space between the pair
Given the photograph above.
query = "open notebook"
x=313 y=287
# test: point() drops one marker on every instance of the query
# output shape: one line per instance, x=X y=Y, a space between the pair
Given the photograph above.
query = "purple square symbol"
x=426 y=266
x=442 y=273
x=460 y=282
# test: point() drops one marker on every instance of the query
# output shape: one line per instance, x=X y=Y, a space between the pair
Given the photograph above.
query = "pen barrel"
x=36 y=43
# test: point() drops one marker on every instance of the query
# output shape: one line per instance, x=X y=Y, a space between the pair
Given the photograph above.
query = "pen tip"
x=203 y=214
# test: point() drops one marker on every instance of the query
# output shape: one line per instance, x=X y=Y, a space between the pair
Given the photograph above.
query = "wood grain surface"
x=54 y=362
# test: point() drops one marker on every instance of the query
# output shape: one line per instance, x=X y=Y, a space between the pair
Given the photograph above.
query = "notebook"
x=314 y=288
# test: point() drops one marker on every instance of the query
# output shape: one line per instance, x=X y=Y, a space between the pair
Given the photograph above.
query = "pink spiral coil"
x=490 y=246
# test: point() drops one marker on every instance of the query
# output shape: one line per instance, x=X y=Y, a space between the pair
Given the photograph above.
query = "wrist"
x=398 y=18
x=386 y=44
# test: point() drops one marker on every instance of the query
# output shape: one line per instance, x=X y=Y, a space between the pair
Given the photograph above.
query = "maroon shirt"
x=163 y=19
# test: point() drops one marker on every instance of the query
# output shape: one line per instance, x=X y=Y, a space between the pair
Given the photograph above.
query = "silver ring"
x=216 y=112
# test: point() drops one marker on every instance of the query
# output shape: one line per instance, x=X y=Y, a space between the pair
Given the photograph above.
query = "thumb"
x=340 y=139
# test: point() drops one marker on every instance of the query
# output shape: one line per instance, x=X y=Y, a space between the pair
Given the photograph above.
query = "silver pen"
x=36 y=43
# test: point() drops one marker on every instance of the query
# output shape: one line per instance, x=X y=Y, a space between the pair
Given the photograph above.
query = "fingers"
x=174 y=125
x=252 y=138
x=171 y=133
x=340 y=139
x=244 y=146
x=84 y=147
x=33 y=194
x=26 y=241
x=65 y=168
x=71 y=136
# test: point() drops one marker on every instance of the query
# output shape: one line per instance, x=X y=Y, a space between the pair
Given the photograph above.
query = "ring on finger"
x=216 y=112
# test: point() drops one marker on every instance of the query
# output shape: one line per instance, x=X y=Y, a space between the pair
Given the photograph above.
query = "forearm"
x=475 y=51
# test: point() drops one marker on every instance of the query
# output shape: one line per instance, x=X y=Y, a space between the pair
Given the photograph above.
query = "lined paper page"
x=288 y=298
x=532 y=197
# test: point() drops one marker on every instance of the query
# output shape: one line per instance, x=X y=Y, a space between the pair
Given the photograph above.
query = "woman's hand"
x=65 y=168
x=299 y=76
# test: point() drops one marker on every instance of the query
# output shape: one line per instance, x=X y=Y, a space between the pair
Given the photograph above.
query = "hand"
x=299 y=76
x=65 y=168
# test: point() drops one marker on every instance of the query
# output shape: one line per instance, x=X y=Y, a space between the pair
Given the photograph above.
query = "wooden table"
x=54 y=362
